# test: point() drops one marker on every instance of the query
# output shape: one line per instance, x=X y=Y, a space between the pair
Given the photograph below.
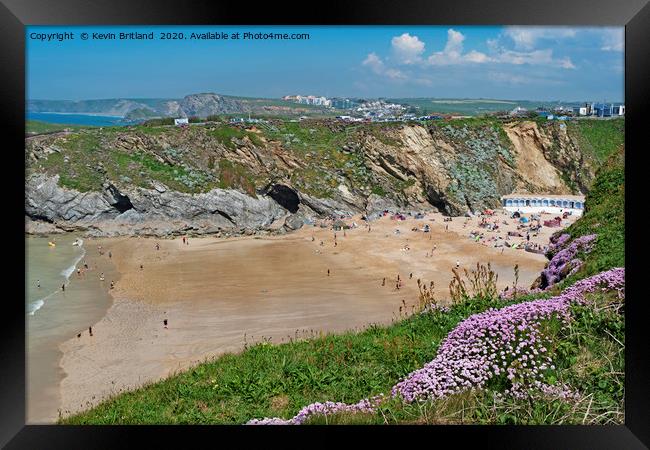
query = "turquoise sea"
x=78 y=119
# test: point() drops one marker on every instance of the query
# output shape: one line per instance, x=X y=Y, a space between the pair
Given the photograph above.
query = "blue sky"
x=520 y=63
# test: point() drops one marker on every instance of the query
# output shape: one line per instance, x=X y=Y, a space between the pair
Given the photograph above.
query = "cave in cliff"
x=285 y=196
x=121 y=202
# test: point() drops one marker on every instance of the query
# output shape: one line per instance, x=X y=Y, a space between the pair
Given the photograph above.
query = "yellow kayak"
x=51 y=244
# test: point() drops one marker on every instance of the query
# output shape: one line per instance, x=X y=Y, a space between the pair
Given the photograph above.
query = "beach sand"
x=219 y=294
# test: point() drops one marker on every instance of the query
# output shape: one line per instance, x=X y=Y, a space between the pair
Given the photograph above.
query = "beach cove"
x=219 y=295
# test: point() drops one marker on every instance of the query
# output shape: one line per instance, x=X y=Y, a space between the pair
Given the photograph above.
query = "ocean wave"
x=35 y=306
x=70 y=270
x=38 y=304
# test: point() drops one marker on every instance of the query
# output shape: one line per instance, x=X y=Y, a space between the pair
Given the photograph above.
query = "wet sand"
x=219 y=294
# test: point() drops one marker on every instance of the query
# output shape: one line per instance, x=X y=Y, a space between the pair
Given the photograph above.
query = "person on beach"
x=446 y=228
x=38 y=284
x=157 y=246
x=63 y=287
x=328 y=272
x=101 y=277
x=183 y=239
x=165 y=323
x=411 y=276
x=457 y=264
x=78 y=335
x=313 y=238
x=112 y=284
x=335 y=244
x=141 y=267
x=383 y=282
x=110 y=255
x=78 y=271
x=90 y=330
x=86 y=266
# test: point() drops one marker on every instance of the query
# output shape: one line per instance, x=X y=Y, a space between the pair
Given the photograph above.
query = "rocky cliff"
x=219 y=177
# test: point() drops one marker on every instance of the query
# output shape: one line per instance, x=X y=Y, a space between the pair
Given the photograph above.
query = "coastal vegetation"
x=37 y=127
x=552 y=355
x=321 y=157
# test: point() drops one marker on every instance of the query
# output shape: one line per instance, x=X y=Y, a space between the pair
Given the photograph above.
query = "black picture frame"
x=16 y=14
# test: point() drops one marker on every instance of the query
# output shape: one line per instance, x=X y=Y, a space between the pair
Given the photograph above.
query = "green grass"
x=605 y=215
x=225 y=135
x=88 y=157
x=599 y=138
x=235 y=175
x=37 y=127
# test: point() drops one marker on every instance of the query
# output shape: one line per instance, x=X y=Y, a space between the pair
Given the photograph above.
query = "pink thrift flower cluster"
x=506 y=341
x=499 y=341
x=564 y=262
x=323 y=409
x=557 y=242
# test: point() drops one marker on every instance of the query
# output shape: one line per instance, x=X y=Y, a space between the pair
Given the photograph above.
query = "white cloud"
x=533 y=58
x=407 y=48
x=375 y=64
x=395 y=74
x=613 y=40
x=566 y=63
x=454 y=41
x=453 y=52
x=477 y=57
x=525 y=38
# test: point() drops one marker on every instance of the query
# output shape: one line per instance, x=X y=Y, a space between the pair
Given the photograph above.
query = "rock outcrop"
x=135 y=210
x=275 y=176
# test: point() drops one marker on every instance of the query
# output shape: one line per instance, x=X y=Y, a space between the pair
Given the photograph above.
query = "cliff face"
x=218 y=177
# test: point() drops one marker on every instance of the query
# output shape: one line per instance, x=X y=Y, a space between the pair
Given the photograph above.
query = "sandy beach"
x=218 y=294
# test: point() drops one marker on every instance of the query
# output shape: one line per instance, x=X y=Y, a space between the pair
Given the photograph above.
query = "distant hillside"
x=199 y=105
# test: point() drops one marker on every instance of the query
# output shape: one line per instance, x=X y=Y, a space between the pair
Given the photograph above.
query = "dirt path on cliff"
x=219 y=294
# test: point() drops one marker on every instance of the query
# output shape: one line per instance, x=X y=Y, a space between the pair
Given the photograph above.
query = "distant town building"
x=181 y=121
x=519 y=111
x=308 y=100
x=342 y=103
